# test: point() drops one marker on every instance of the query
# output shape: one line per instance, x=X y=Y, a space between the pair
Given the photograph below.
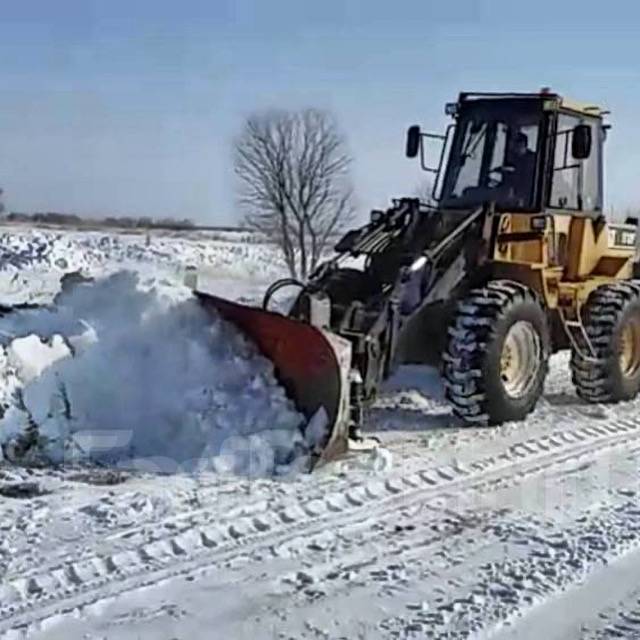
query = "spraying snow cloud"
x=143 y=378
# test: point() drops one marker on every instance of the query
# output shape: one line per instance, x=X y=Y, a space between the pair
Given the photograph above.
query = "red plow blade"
x=312 y=365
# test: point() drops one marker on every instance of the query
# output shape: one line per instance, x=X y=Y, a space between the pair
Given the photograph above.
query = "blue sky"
x=109 y=106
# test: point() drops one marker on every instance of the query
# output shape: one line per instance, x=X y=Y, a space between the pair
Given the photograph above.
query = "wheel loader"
x=510 y=261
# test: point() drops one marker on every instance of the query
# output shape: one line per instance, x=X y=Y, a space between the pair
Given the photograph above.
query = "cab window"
x=575 y=183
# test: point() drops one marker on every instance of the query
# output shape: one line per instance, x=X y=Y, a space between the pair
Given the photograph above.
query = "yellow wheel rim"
x=521 y=359
x=629 y=352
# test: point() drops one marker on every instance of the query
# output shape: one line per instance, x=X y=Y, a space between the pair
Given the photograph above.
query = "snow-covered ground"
x=529 y=530
x=32 y=261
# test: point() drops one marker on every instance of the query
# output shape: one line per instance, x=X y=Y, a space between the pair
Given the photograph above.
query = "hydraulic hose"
x=276 y=286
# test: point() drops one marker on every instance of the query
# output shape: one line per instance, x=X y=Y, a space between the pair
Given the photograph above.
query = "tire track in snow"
x=555 y=561
x=208 y=540
x=396 y=539
x=626 y=624
x=465 y=551
x=216 y=490
x=622 y=619
x=189 y=519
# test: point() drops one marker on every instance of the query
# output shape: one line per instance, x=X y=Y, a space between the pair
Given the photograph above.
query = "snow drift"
x=33 y=259
x=114 y=374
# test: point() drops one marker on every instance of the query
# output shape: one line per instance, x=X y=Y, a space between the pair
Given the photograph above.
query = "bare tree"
x=293 y=172
x=1 y=202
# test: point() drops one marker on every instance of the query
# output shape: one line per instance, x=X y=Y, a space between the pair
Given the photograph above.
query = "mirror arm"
x=423 y=162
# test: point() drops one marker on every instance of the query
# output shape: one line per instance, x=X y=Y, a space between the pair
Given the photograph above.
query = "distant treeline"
x=122 y=222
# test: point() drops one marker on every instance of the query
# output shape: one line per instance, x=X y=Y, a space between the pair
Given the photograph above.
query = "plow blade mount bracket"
x=311 y=364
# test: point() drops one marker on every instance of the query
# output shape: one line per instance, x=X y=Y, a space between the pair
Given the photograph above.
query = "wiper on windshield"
x=470 y=147
x=473 y=142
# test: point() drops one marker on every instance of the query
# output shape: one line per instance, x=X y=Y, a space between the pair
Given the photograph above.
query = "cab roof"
x=556 y=100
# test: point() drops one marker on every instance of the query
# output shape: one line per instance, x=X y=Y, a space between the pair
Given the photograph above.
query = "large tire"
x=612 y=322
x=497 y=354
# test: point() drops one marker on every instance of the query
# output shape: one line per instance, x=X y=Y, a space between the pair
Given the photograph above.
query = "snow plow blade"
x=311 y=364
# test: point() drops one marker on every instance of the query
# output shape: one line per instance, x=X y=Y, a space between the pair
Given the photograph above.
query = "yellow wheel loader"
x=514 y=263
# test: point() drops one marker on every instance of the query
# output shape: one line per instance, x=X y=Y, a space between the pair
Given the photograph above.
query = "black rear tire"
x=612 y=322
x=492 y=326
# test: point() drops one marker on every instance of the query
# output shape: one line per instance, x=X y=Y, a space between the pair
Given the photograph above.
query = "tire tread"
x=604 y=309
x=468 y=337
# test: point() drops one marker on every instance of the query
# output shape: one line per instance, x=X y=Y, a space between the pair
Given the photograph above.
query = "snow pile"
x=142 y=379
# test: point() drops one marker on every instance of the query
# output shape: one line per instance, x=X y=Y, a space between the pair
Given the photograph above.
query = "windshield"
x=493 y=156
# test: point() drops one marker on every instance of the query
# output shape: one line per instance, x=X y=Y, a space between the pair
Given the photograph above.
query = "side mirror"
x=413 y=141
x=581 y=142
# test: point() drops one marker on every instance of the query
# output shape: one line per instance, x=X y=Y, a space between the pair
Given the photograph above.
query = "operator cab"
x=521 y=152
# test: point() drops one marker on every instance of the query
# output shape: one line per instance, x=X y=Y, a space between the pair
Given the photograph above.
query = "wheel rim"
x=521 y=359
x=630 y=347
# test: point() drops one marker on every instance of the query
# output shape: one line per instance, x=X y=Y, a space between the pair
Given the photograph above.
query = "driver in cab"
x=519 y=166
